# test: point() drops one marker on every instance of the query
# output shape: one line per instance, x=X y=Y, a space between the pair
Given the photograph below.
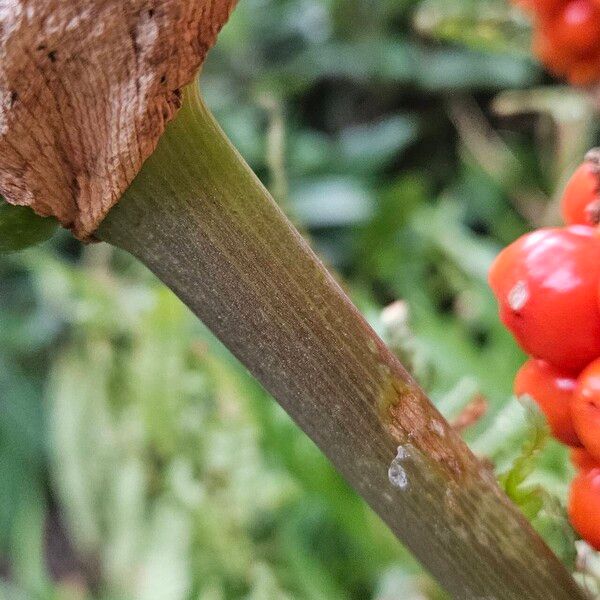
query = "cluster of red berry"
x=548 y=288
x=567 y=37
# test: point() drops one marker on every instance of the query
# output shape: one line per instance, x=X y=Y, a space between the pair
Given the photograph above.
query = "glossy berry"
x=585 y=409
x=581 y=199
x=584 y=506
x=552 y=391
x=576 y=28
x=567 y=37
x=546 y=284
x=582 y=460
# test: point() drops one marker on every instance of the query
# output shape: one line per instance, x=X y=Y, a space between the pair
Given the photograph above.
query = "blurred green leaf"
x=528 y=498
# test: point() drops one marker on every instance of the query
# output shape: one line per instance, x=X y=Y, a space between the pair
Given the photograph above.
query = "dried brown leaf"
x=86 y=89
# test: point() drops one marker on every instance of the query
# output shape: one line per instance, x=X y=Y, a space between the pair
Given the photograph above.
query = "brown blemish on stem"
x=410 y=418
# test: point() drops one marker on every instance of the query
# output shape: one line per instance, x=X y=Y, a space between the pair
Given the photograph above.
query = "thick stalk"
x=199 y=218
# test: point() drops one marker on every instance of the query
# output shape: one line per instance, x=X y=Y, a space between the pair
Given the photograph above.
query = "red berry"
x=577 y=27
x=582 y=460
x=581 y=199
x=542 y=7
x=584 y=506
x=584 y=71
x=585 y=409
x=567 y=37
x=552 y=55
x=552 y=391
x=546 y=284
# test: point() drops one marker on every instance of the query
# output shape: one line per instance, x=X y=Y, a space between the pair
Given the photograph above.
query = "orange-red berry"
x=546 y=284
x=542 y=7
x=585 y=409
x=567 y=37
x=582 y=460
x=581 y=199
x=552 y=391
x=584 y=505
x=576 y=28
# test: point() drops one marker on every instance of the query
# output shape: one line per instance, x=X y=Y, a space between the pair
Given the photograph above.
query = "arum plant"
x=87 y=90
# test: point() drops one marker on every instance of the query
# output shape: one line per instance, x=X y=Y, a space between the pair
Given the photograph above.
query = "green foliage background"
x=138 y=461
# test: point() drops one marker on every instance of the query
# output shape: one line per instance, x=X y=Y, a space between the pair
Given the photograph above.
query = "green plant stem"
x=199 y=218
